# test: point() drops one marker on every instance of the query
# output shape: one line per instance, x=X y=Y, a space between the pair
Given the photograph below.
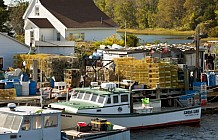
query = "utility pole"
x=197 y=40
x=125 y=33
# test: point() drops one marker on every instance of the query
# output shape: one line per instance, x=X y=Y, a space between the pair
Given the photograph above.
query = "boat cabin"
x=98 y=100
x=29 y=123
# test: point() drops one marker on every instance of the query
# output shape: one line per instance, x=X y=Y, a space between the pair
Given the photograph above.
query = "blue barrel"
x=25 y=77
x=212 y=79
x=16 y=80
x=52 y=82
x=32 y=87
x=18 y=88
x=9 y=84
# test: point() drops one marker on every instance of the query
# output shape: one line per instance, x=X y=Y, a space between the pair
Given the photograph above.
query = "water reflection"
x=207 y=130
x=170 y=39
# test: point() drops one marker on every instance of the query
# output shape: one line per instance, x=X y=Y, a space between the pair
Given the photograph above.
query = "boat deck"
x=74 y=134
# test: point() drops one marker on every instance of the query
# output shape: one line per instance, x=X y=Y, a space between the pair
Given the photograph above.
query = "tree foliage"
x=141 y=14
x=15 y=15
x=176 y=14
x=3 y=17
x=131 y=40
x=170 y=13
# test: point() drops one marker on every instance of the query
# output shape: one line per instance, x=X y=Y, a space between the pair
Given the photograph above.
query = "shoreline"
x=157 y=31
x=160 y=31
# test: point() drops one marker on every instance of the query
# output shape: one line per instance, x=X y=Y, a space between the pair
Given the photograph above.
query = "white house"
x=50 y=21
x=10 y=47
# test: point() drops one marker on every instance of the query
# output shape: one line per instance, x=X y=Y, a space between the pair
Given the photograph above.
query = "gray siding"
x=8 y=48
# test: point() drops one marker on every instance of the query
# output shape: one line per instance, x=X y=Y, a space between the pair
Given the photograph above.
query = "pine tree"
x=3 y=17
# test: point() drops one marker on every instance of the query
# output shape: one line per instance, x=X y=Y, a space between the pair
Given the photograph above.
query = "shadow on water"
x=205 y=130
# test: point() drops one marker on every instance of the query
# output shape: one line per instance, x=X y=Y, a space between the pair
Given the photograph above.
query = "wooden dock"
x=210 y=108
x=26 y=100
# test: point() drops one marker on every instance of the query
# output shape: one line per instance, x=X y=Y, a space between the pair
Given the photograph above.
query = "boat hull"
x=139 y=120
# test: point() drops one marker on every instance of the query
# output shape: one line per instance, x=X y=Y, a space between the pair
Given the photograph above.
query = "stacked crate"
x=148 y=71
x=72 y=77
x=49 y=65
x=174 y=76
x=153 y=75
x=202 y=88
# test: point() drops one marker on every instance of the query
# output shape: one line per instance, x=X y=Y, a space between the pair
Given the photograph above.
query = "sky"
x=8 y=1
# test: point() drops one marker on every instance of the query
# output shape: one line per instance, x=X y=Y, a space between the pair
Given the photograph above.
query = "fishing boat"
x=29 y=123
x=35 y=123
x=117 y=106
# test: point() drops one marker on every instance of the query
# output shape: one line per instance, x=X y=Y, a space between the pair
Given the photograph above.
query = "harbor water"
x=170 y=39
x=206 y=130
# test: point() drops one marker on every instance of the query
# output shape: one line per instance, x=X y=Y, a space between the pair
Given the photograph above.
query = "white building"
x=10 y=47
x=110 y=54
x=51 y=21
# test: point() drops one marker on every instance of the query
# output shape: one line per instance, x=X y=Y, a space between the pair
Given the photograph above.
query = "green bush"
x=213 y=32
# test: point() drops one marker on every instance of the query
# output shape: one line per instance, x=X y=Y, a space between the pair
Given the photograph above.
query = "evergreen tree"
x=142 y=14
x=109 y=8
x=15 y=14
x=100 y=4
x=3 y=17
x=198 y=11
x=125 y=13
x=170 y=13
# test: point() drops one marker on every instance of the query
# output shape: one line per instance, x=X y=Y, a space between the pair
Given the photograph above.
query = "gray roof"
x=9 y=37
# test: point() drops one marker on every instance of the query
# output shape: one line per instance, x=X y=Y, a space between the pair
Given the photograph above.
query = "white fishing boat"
x=29 y=123
x=35 y=123
x=116 y=105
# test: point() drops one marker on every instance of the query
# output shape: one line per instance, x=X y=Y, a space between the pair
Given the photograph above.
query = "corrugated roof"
x=78 y=13
x=41 y=22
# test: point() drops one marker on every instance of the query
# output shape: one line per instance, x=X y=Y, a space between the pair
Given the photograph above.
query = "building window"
x=76 y=36
x=58 y=37
x=42 y=38
x=31 y=37
x=37 y=11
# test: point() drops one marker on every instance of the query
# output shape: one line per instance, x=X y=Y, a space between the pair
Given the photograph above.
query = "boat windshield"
x=10 y=121
x=80 y=95
x=87 y=96
x=101 y=99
